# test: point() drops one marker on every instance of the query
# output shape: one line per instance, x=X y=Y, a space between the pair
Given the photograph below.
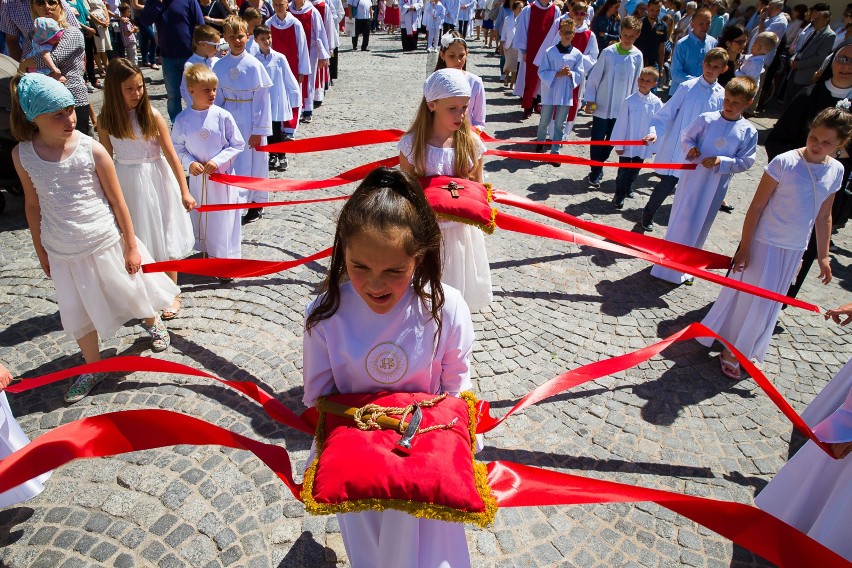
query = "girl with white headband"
x=81 y=229
x=441 y=142
x=453 y=55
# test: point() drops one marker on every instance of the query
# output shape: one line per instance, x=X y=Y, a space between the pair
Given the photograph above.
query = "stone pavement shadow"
x=743 y=558
x=26 y=330
x=316 y=266
x=8 y=519
x=306 y=551
x=636 y=291
x=530 y=261
x=543 y=190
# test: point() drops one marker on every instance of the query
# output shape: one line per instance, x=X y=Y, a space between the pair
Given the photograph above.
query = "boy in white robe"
x=283 y=94
x=723 y=143
x=205 y=48
x=244 y=92
x=207 y=140
x=634 y=119
x=693 y=97
x=288 y=39
x=315 y=33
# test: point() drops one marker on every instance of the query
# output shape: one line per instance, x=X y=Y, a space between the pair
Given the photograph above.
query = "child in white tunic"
x=440 y=142
x=794 y=196
x=205 y=49
x=81 y=229
x=207 y=141
x=244 y=92
x=148 y=169
x=453 y=55
x=724 y=143
x=384 y=288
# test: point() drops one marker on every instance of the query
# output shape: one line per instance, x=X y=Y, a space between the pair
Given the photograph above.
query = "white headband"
x=449 y=38
x=446 y=83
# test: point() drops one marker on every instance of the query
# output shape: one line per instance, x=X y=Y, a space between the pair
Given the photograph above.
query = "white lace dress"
x=85 y=250
x=465 y=258
x=152 y=195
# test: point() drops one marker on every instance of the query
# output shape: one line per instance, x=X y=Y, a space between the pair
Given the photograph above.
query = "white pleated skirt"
x=745 y=320
x=12 y=439
x=153 y=198
x=394 y=538
x=96 y=293
x=813 y=492
x=465 y=263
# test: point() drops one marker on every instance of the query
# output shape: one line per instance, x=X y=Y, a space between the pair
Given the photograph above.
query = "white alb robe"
x=201 y=136
x=519 y=41
x=409 y=20
x=285 y=93
x=633 y=122
x=12 y=439
x=317 y=48
x=559 y=91
x=613 y=79
x=701 y=191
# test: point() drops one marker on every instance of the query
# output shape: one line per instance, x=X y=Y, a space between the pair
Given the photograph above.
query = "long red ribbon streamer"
x=485 y=137
x=233 y=206
x=278 y=184
x=520 y=225
x=566 y=159
x=231 y=267
x=516 y=485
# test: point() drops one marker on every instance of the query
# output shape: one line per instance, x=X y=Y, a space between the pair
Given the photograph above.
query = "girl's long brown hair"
x=114 y=118
x=387 y=199
x=463 y=143
x=441 y=64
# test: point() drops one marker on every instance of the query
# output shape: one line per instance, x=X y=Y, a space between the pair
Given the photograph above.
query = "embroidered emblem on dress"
x=387 y=363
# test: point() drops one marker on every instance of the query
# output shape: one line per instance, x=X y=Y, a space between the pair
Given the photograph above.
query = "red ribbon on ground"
x=664 y=249
x=232 y=206
x=519 y=225
x=516 y=485
x=231 y=267
x=566 y=159
x=491 y=140
x=280 y=184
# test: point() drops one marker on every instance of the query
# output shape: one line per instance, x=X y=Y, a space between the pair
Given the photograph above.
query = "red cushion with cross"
x=461 y=200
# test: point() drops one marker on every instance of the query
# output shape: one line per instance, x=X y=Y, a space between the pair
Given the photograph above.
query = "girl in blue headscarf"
x=81 y=229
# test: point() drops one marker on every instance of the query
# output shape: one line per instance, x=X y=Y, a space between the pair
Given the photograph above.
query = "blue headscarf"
x=39 y=94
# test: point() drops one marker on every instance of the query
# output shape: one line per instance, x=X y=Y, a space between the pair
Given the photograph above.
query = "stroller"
x=8 y=178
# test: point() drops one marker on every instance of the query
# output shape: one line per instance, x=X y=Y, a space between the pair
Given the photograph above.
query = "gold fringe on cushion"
x=488 y=228
x=413 y=508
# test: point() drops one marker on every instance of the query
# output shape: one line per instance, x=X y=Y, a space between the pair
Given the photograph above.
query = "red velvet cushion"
x=358 y=470
x=472 y=206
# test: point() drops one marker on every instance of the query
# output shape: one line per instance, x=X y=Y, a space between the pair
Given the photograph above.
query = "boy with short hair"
x=284 y=95
x=205 y=50
x=244 y=92
x=633 y=123
x=723 y=143
x=612 y=79
x=753 y=63
x=219 y=233
x=695 y=96
x=253 y=18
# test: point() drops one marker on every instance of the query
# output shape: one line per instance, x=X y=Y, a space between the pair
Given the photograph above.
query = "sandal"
x=160 y=339
x=83 y=386
x=729 y=369
x=172 y=312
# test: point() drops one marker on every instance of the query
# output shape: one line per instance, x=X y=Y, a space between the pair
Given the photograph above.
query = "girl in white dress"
x=794 y=195
x=384 y=287
x=80 y=225
x=453 y=55
x=440 y=142
x=149 y=171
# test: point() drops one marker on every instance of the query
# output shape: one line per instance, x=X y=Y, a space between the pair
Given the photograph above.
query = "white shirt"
x=285 y=93
x=613 y=79
x=633 y=122
x=476 y=107
x=359 y=351
x=789 y=216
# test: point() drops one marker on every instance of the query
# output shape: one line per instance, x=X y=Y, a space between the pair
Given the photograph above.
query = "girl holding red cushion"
x=384 y=322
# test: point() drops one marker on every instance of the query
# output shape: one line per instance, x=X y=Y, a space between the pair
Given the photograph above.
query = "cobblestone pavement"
x=672 y=423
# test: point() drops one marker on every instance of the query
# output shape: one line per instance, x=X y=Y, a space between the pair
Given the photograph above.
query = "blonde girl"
x=453 y=55
x=441 y=142
x=149 y=170
x=81 y=229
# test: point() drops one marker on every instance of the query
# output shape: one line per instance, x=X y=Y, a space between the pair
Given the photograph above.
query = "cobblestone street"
x=673 y=423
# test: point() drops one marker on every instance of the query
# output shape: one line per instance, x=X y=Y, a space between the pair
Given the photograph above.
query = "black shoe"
x=364 y=49
x=527 y=113
x=554 y=164
x=306 y=118
x=252 y=216
x=317 y=104
x=273 y=162
x=647 y=226
x=595 y=179
x=617 y=203
x=726 y=208
x=539 y=148
x=631 y=194
x=283 y=162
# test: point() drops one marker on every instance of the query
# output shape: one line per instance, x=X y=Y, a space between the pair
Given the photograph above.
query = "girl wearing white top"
x=453 y=55
x=794 y=195
x=385 y=282
x=440 y=142
x=80 y=225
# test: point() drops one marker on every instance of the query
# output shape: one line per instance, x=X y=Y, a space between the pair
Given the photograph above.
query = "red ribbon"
x=516 y=485
x=491 y=140
x=232 y=206
x=565 y=159
x=231 y=267
x=278 y=184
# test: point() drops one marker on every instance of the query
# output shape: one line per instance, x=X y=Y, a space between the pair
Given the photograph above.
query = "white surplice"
x=521 y=39
x=612 y=79
x=285 y=93
x=317 y=48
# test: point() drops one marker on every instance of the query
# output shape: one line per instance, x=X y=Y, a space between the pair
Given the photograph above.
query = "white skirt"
x=745 y=320
x=12 y=439
x=394 y=538
x=96 y=293
x=813 y=492
x=465 y=263
x=153 y=198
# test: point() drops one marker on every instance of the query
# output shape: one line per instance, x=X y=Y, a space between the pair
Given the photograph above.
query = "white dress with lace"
x=465 y=266
x=85 y=250
x=152 y=195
